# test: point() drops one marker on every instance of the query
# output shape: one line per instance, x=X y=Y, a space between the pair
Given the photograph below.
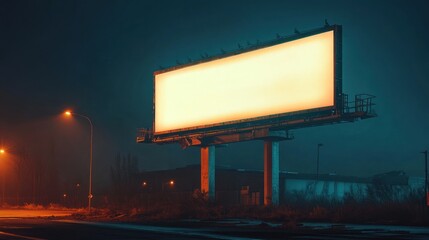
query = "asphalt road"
x=54 y=228
x=39 y=229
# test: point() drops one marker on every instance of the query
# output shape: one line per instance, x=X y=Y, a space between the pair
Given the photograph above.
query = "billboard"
x=286 y=77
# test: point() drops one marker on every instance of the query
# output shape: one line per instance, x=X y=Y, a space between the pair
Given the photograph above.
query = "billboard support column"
x=208 y=160
x=271 y=172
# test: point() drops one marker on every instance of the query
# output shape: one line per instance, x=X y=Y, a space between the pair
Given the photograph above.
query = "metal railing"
x=362 y=104
x=144 y=135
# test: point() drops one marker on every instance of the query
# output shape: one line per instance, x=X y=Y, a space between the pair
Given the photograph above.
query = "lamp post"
x=317 y=164
x=2 y=151
x=426 y=177
x=69 y=113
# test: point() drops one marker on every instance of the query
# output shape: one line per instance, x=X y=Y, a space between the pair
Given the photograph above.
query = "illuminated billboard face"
x=284 y=78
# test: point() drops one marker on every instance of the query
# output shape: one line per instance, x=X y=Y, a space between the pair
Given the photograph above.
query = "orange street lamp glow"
x=69 y=113
x=171 y=182
x=1 y=151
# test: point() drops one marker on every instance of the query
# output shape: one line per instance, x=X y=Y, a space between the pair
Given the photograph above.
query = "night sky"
x=98 y=58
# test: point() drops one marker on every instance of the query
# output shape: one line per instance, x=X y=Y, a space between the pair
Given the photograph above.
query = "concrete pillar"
x=271 y=173
x=208 y=159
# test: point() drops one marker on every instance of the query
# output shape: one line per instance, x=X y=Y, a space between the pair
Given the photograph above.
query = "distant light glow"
x=287 y=77
x=67 y=113
x=171 y=182
x=2 y=151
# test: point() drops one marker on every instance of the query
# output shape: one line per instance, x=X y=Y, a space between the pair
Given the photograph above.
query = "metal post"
x=208 y=165
x=426 y=177
x=90 y=159
x=318 y=156
x=271 y=173
x=90 y=169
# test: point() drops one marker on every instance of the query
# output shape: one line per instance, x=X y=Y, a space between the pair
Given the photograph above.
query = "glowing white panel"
x=283 y=78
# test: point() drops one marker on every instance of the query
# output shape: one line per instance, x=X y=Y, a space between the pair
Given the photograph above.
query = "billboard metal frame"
x=276 y=125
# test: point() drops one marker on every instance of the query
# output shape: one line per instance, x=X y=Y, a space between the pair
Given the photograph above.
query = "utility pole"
x=426 y=176
x=318 y=156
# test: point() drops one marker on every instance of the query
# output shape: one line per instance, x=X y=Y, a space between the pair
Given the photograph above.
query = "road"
x=40 y=229
x=37 y=228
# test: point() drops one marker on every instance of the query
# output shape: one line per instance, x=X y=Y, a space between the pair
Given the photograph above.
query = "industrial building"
x=245 y=187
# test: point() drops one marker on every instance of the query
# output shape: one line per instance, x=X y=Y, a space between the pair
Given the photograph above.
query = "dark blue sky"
x=98 y=58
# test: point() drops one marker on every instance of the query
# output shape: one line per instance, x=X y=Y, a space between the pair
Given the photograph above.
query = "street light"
x=69 y=113
x=318 y=156
x=2 y=151
x=426 y=176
